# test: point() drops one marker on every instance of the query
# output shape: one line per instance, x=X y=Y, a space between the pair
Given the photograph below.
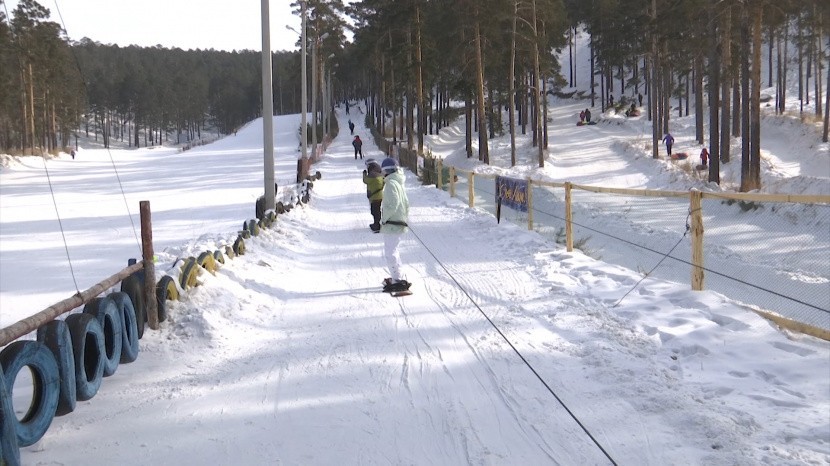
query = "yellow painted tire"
x=229 y=252
x=253 y=227
x=218 y=257
x=239 y=246
x=206 y=261
x=166 y=289
x=190 y=273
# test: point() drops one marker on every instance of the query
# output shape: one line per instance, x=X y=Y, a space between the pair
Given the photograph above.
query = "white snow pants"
x=393 y=257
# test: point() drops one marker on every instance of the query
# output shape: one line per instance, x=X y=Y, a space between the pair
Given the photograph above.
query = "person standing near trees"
x=669 y=140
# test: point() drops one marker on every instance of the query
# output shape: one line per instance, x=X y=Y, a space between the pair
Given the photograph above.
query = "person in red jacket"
x=704 y=157
x=357 y=144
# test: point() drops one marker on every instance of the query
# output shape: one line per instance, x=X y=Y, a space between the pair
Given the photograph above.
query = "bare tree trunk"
x=483 y=149
x=537 y=89
x=746 y=175
x=755 y=125
x=715 y=53
x=420 y=78
x=698 y=64
x=725 y=65
x=468 y=124
x=512 y=78
x=652 y=94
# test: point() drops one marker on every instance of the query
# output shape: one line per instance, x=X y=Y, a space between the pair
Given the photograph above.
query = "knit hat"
x=389 y=165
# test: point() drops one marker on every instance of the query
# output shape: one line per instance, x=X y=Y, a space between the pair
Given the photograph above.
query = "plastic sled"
x=679 y=156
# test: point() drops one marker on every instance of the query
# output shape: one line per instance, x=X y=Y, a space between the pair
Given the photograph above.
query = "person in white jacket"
x=393 y=220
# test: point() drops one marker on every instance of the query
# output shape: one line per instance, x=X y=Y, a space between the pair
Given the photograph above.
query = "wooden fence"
x=436 y=174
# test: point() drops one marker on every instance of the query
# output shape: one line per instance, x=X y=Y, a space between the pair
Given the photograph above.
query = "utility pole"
x=267 y=110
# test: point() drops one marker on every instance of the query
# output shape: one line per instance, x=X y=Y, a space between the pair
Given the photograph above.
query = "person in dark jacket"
x=358 y=146
x=669 y=140
x=587 y=116
x=373 y=178
x=351 y=127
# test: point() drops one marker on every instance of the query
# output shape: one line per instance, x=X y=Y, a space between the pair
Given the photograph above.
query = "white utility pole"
x=267 y=110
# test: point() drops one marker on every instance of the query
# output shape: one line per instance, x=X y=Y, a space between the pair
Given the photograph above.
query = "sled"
x=679 y=156
x=701 y=167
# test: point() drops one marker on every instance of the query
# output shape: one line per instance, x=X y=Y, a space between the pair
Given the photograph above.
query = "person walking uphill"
x=373 y=178
x=669 y=140
x=358 y=145
x=351 y=127
x=393 y=220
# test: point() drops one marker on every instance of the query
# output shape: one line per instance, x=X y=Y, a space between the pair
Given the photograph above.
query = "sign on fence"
x=511 y=193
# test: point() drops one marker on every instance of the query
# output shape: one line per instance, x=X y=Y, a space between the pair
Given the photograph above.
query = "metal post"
x=267 y=110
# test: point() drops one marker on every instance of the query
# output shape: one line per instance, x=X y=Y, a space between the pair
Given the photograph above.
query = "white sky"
x=217 y=24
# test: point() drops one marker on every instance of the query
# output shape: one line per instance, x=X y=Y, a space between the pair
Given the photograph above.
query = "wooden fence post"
x=529 y=204
x=471 y=186
x=150 y=302
x=452 y=181
x=439 y=182
x=696 y=212
x=569 y=227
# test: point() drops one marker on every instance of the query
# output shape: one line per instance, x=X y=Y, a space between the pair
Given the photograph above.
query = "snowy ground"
x=510 y=351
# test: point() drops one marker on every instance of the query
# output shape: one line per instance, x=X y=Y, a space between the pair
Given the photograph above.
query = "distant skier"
x=358 y=145
x=704 y=157
x=669 y=140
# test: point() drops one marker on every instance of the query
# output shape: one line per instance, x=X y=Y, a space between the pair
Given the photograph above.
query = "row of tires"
x=70 y=357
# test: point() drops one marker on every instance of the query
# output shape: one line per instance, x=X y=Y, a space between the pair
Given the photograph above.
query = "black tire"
x=55 y=335
x=108 y=315
x=45 y=386
x=9 y=450
x=88 y=352
x=129 y=326
x=165 y=290
x=133 y=286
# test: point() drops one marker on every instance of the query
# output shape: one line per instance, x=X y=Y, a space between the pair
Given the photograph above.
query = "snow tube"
x=133 y=286
x=108 y=315
x=129 y=326
x=165 y=289
x=581 y=123
x=9 y=450
x=44 y=370
x=88 y=352
x=679 y=156
x=55 y=335
x=701 y=167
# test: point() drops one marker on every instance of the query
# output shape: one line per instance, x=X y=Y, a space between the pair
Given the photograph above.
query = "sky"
x=175 y=23
x=510 y=351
